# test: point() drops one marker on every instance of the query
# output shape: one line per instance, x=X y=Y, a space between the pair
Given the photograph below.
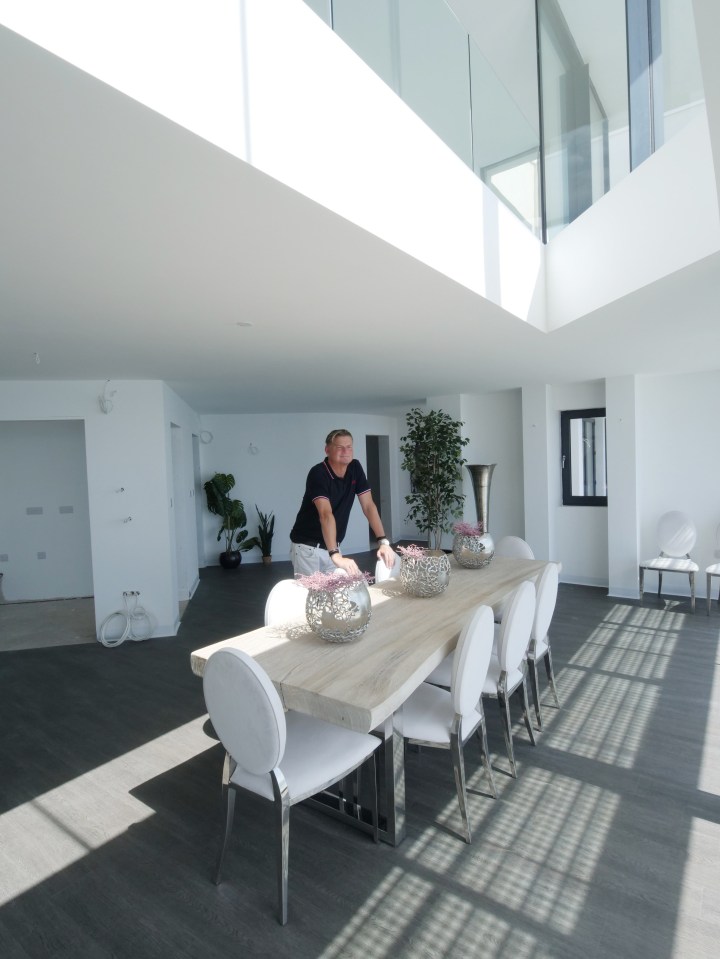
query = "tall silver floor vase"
x=481 y=477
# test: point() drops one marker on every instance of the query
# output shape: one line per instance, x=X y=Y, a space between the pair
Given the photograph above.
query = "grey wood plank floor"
x=607 y=844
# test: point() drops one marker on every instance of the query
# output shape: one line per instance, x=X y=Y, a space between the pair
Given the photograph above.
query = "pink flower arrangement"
x=329 y=582
x=469 y=529
x=412 y=552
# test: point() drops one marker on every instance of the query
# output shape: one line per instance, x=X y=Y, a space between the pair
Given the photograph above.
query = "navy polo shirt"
x=323 y=483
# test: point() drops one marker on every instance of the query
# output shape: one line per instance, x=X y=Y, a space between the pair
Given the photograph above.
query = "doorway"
x=46 y=558
x=377 y=459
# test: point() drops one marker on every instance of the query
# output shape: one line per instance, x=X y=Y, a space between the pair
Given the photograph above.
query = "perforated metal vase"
x=426 y=575
x=341 y=614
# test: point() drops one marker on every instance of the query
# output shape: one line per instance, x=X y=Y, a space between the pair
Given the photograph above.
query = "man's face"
x=340 y=451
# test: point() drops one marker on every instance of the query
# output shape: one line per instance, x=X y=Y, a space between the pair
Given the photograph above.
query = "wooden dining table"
x=363 y=684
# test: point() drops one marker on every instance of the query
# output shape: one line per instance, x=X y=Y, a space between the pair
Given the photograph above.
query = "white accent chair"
x=511 y=547
x=382 y=573
x=713 y=570
x=506 y=672
x=676 y=535
x=282 y=757
x=445 y=719
x=539 y=648
x=285 y=602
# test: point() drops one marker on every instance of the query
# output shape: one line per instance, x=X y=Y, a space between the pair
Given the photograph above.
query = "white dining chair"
x=713 y=570
x=513 y=547
x=506 y=672
x=446 y=719
x=539 y=648
x=676 y=534
x=510 y=547
x=384 y=573
x=282 y=757
x=285 y=602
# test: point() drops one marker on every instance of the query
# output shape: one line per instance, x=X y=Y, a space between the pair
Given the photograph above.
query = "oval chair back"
x=245 y=709
x=676 y=533
x=515 y=627
x=546 y=598
x=513 y=547
x=285 y=602
x=547 y=590
x=471 y=660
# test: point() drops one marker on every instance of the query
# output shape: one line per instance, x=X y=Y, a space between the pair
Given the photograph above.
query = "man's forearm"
x=329 y=531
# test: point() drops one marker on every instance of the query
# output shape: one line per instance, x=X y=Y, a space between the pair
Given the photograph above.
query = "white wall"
x=269 y=456
x=575 y=535
x=623 y=238
x=252 y=77
x=130 y=483
x=44 y=512
x=678 y=464
x=493 y=424
x=623 y=505
x=580 y=533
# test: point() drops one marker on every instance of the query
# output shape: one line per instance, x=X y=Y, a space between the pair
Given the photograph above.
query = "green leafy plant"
x=232 y=511
x=432 y=454
x=266 y=530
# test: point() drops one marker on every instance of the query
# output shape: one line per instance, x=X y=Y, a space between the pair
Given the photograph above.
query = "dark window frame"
x=569 y=499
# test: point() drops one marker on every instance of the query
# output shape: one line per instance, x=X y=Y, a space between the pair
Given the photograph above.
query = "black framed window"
x=584 y=464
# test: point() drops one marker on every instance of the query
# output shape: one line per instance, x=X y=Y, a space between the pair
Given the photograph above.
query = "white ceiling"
x=131 y=249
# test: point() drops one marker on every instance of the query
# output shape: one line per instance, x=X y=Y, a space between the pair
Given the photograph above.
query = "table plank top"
x=360 y=683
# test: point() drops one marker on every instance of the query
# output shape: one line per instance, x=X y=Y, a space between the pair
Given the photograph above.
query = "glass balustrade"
x=617 y=79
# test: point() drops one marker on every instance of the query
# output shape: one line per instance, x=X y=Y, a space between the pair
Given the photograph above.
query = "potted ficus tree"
x=234 y=520
x=432 y=454
x=266 y=530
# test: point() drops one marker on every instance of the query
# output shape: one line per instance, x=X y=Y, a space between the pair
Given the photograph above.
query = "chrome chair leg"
x=282 y=805
x=456 y=751
x=504 y=704
x=659 y=583
x=535 y=691
x=709 y=596
x=522 y=688
x=374 y=808
x=229 y=797
x=692 y=592
x=551 y=676
x=482 y=736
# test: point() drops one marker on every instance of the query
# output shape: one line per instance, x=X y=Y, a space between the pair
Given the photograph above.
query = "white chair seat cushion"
x=492 y=679
x=428 y=715
x=673 y=564
x=713 y=570
x=316 y=755
x=442 y=674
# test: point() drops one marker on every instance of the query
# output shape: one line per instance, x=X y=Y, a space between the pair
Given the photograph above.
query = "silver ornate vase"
x=341 y=614
x=473 y=551
x=425 y=575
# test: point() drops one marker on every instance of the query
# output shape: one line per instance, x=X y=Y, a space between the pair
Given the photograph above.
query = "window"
x=584 y=468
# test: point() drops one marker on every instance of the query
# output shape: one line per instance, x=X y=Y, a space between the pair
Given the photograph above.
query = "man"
x=321 y=522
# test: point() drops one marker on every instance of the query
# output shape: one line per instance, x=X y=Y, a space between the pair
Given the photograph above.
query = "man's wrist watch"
x=383 y=541
x=331 y=552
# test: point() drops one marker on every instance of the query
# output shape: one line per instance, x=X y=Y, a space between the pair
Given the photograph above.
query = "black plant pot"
x=231 y=559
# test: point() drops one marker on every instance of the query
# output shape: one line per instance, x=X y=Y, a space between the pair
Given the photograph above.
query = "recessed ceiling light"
x=243 y=323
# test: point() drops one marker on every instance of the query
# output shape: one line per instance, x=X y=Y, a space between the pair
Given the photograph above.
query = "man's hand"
x=386 y=554
x=346 y=563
